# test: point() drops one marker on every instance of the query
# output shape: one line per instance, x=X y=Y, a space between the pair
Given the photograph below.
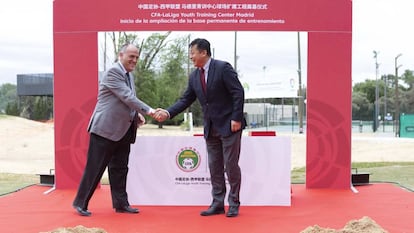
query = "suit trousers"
x=223 y=158
x=104 y=153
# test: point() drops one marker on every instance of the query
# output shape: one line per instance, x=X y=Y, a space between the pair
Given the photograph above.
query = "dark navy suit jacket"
x=223 y=102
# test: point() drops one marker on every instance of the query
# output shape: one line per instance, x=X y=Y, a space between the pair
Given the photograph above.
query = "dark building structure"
x=35 y=84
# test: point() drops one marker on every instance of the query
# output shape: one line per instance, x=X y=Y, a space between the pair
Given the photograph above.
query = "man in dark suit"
x=216 y=86
x=112 y=128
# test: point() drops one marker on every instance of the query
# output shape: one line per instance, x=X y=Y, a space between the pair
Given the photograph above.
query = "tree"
x=43 y=108
x=362 y=109
x=408 y=79
x=173 y=77
x=363 y=96
x=367 y=87
x=8 y=96
x=12 y=109
x=407 y=93
x=146 y=74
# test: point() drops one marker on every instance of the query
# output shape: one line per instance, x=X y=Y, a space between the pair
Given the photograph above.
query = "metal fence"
x=368 y=127
x=291 y=124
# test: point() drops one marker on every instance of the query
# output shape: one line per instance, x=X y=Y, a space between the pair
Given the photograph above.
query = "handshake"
x=160 y=114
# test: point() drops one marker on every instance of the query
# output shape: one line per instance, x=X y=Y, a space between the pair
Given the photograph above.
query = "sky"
x=26 y=42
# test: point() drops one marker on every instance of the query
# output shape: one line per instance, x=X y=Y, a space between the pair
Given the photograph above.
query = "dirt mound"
x=363 y=225
x=77 y=229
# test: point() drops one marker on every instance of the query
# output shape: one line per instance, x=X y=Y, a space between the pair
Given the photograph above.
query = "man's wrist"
x=151 y=111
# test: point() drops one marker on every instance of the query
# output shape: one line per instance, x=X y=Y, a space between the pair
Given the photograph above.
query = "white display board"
x=173 y=170
x=274 y=87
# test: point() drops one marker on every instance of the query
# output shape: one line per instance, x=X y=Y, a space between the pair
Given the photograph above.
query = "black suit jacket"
x=223 y=102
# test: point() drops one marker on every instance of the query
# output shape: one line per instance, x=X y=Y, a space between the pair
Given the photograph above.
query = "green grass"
x=401 y=173
x=14 y=182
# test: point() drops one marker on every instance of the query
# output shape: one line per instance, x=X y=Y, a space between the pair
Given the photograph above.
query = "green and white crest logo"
x=188 y=159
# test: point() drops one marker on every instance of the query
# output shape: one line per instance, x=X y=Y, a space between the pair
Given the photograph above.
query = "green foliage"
x=408 y=78
x=43 y=108
x=30 y=107
x=362 y=109
x=8 y=96
x=363 y=96
x=12 y=109
x=173 y=77
x=368 y=88
x=145 y=87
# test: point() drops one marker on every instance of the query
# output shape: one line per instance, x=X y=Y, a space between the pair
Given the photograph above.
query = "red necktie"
x=203 y=80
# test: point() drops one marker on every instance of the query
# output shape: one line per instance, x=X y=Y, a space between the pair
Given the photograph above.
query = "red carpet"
x=392 y=207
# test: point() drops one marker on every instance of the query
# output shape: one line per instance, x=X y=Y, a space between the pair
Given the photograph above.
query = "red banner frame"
x=329 y=27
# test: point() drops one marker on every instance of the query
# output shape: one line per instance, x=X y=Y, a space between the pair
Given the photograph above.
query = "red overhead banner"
x=261 y=15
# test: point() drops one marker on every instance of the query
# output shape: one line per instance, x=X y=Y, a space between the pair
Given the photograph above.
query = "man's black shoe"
x=82 y=211
x=127 y=209
x=212 y=211
x=233 y=211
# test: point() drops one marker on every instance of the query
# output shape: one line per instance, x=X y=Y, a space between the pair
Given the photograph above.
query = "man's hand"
x=140 y=119
x=235 y=126
x=161 y=115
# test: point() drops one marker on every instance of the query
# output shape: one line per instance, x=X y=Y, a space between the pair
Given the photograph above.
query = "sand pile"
x=363 y=225
x=77 y=229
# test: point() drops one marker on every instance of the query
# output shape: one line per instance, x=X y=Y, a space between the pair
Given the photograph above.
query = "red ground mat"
x=392 y=207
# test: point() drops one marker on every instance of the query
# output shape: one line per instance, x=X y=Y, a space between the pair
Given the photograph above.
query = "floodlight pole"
x=235 y=51
x=385 y=103
x=397 y=103
x=376 y=92
x=300 y=95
